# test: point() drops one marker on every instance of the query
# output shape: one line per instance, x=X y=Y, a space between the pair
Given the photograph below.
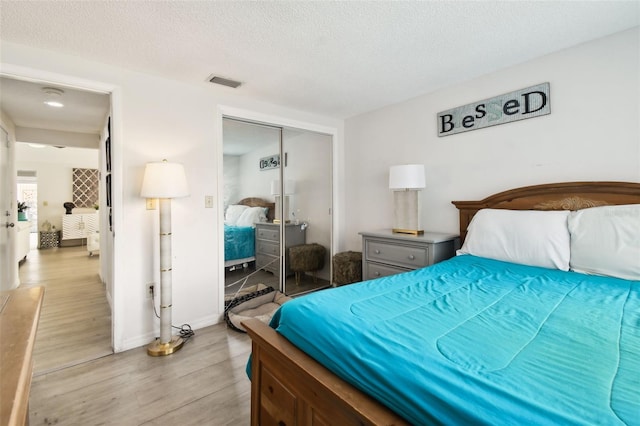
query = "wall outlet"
x=151 y=203
x=150 y=290
x=208 y=201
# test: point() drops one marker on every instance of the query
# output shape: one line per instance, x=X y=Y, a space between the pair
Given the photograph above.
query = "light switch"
x=208 y=201
x=151 y=203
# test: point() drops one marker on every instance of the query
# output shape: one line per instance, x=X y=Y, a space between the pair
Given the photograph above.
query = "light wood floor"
x=204 y=383
x=78 y=381
x=75 y=323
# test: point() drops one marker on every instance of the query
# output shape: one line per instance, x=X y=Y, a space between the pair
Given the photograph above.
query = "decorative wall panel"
x=85 y=187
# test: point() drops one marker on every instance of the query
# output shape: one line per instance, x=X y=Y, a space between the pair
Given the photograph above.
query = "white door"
x=8 y=212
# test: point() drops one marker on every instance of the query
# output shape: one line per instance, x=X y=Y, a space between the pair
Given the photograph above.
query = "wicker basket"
x=347 y=267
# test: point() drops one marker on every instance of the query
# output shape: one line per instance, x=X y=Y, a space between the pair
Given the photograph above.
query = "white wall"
x=155 y=118
x=231 y=178
x=254 y=182
x=592 y=133
x=54 y=170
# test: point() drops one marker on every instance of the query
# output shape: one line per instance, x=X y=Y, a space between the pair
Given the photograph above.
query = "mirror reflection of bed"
x=241 y=272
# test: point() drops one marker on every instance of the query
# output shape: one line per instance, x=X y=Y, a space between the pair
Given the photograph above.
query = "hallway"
x=75 y=323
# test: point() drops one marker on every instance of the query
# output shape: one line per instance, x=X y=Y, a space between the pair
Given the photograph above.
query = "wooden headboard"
x=553 y=196
x=259 y=202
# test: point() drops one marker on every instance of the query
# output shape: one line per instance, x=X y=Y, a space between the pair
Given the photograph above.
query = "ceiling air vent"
x=224 y=81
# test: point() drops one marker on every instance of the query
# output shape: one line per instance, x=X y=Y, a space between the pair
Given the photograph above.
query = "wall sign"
x=526 y=103
x=271 y=162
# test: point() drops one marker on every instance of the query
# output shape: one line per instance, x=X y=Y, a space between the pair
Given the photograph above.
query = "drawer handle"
x=411 y=257
x=376 y=251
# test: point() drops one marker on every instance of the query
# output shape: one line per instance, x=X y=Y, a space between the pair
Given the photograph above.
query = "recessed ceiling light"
x=54 y=104
x=36 y=145
x=53 y=97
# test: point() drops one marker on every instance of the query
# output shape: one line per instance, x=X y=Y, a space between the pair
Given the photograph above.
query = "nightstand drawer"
x=388 y=253
x=268 y=234
x=376 y=270
x=269 y=263
x=400 y=255
x=266 y=247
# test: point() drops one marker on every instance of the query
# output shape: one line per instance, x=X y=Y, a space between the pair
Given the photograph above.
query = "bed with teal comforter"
x=239 y=243
x=479 y=341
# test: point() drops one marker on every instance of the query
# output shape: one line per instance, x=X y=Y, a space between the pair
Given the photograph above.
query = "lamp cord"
x=186 y=332
x=185 y=329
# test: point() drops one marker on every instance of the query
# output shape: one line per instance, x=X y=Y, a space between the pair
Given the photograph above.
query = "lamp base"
x=156 y=348
x=408 y=231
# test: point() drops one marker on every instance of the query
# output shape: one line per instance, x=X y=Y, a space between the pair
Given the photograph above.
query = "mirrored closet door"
x=277 y=198
x=306 y=172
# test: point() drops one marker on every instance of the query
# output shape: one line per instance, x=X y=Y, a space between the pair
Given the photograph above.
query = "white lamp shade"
x=164 y=180
x=407 y=176
x=289 y=187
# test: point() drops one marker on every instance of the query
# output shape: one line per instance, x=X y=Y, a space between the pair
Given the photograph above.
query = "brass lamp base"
x=156 y=348
x=408 y=231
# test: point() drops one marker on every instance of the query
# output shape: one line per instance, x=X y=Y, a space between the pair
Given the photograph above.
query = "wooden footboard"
x=290 y=388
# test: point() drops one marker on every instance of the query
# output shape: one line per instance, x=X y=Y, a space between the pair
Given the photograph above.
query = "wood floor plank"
x=204 y=383
x=75 y=323
x=79 y=381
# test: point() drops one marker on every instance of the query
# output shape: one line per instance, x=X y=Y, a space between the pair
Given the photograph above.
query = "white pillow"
x=528 y=237
x=233 y=213
x=606 y=241
x=252 y=215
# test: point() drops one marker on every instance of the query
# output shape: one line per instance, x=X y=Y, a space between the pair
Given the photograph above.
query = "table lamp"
x=406 y=181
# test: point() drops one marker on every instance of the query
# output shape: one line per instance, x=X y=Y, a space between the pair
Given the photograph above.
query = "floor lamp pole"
x=166 y=344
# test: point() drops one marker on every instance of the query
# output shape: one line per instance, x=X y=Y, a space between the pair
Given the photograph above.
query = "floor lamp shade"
x=406 y=181
x=165 y=181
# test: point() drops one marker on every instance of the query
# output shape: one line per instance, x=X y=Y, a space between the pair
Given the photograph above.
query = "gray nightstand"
x=385 y=253
x=268 y=245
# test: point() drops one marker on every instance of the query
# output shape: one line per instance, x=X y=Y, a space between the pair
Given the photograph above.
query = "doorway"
x=291 y=168
x=27 y=193
x=61 y=139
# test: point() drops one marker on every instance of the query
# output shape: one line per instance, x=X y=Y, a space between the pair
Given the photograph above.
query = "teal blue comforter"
x=477 y=341
x=239 y=242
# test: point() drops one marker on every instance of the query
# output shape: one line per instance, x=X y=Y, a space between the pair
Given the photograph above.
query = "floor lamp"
x=164 y=180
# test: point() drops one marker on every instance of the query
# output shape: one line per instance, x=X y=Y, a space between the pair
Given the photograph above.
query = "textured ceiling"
x=334 y=58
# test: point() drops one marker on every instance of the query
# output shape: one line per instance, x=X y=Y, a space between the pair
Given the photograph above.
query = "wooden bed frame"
x=259 y=202
x=554 y=196
x=290 y=388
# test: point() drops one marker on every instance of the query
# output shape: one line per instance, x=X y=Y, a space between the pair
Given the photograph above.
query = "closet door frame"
x=274 y=121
